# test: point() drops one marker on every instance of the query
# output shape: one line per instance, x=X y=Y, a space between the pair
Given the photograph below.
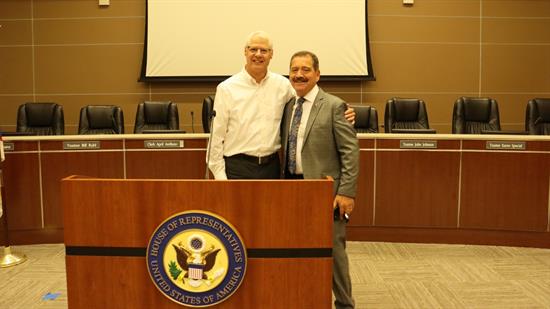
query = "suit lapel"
x=317 y=104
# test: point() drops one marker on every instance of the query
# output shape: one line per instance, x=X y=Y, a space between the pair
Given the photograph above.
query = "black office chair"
x=40 y=119
x=406 y=116
x=537 y=117
x=156 y=116
x=366 y=119
x=101 y=119
x=207 y=108
x=475 y=116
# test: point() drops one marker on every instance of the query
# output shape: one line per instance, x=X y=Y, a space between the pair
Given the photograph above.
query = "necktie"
x=293 y=136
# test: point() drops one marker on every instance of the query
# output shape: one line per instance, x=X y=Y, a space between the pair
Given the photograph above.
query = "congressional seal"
x=196 y=258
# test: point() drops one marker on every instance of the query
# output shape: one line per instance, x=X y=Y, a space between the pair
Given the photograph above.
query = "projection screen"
x=205 y=39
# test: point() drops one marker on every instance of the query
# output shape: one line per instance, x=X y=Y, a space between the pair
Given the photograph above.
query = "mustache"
x=299 y=79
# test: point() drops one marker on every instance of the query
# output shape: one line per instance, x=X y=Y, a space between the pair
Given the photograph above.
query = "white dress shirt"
x=306 y=109
x=248 y=117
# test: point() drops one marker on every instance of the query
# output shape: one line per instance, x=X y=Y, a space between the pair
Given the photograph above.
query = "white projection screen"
x=202 y=40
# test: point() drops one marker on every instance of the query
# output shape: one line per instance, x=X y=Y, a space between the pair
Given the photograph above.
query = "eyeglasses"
x=254 y=50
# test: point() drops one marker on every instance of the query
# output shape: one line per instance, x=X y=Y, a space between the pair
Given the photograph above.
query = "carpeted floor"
x=384 y=275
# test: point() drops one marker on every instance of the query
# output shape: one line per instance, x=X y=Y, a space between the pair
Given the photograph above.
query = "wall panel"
x=426 y=7
x=516 y=68
x=513 y=8
x=16 y=73
x=15 y=32
x=88 y=69
x=516 y=30
x=425 y=67
x=15 y=9
x=90 y=31
x=87 y=8
x=422 y=29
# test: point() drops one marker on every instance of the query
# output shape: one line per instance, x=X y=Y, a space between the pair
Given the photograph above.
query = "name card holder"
x=500 y=145
x=8 y=146
x=163 y=144
x=417 y=144
x=81 y=145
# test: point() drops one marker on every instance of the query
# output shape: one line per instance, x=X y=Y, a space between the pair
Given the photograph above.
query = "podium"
x=286 y=227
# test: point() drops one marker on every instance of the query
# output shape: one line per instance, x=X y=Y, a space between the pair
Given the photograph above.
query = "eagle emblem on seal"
x=195 y=260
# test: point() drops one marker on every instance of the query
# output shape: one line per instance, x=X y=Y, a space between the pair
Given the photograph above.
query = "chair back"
x=405 y=114
x=472 y=115
x=101 y=119
x=207 y=108
x=41 y=118
x=152 y=115
x=537 y=116
x=366 y=119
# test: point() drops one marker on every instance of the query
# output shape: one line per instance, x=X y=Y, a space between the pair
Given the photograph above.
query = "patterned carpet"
x=384 y=275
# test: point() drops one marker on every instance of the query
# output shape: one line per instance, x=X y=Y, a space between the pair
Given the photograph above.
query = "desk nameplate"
x=500 y=145
x=81 y=145
x=163 y=144
x=9 y=146
x=417 y=144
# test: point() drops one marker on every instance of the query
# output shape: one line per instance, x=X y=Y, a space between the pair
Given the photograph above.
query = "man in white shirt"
x=249 y=107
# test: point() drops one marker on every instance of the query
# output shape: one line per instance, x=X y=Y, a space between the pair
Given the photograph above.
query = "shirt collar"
x=311 y=95
x=251 y=79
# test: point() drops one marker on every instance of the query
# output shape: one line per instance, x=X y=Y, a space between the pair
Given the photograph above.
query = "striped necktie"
x=293 y=136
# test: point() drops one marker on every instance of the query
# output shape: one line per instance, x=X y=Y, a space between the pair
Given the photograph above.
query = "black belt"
x=294 y=176
x=254 y=159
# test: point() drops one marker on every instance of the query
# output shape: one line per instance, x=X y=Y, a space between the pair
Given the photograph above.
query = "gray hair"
x=261 y=34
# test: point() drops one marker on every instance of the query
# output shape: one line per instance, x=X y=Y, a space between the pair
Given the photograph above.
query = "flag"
x=2 y=157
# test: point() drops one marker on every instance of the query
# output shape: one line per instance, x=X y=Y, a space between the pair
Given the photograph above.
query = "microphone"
x=192 y=122
x=212 y=115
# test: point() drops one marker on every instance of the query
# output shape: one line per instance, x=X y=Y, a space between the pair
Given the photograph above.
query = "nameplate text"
x=417 y=144
x=163 y=144
x=9 y=146
x=498 y=145
x=81 y=145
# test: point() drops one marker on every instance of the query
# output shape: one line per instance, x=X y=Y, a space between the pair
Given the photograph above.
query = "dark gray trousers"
x=341 y=281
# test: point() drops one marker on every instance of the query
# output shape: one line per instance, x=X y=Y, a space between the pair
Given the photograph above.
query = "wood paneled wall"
x=77 y=53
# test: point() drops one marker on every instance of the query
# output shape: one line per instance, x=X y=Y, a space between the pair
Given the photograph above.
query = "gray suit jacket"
x=330 y=144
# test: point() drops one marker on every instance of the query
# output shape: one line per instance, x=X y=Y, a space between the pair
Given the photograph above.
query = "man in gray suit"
x=318 y=143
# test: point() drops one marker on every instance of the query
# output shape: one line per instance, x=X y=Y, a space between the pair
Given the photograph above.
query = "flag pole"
x=7 y=257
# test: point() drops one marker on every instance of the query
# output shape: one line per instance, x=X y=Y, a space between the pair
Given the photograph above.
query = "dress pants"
x=341 y=281
x=239 y=168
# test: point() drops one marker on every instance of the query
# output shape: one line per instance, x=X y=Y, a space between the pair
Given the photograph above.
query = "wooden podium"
x=286 y=227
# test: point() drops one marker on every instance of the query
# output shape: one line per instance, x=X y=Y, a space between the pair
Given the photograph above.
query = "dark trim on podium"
x=251 y=253
x=105 y=251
